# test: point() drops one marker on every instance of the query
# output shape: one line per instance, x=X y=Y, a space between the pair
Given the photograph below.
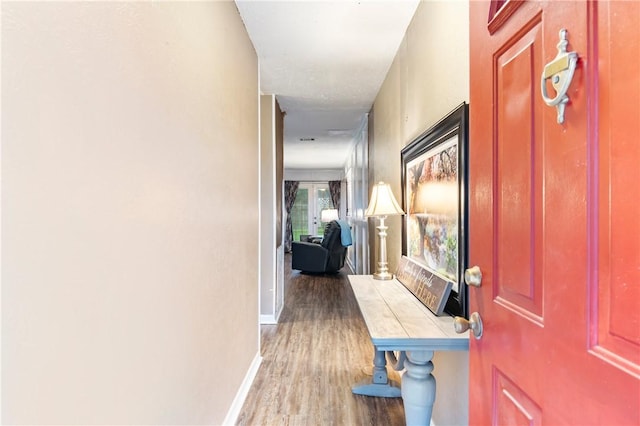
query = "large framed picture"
x=435 y=182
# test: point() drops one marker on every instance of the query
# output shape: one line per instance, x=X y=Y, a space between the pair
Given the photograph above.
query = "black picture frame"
x=435 y=200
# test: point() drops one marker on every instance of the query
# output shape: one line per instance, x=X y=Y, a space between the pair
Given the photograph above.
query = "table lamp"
x=327 y=215
x=382 y=204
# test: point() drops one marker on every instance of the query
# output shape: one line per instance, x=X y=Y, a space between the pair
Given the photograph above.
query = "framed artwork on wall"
x=435 y=182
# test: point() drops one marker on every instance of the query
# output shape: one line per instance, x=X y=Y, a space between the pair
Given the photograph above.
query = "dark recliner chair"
x=328 y=256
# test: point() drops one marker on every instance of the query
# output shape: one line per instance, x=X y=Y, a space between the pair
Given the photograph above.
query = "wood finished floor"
x=313 y=356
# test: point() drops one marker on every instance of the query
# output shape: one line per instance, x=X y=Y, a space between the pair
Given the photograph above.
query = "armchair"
x=328 y=256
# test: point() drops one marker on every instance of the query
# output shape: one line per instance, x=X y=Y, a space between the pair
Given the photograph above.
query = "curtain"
x=334 y=190
x=290 y=191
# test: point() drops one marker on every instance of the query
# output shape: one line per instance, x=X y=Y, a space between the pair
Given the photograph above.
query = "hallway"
x=319 y=349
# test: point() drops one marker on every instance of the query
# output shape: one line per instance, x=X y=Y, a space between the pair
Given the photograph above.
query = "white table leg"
x=418 y=388
x=380 y=385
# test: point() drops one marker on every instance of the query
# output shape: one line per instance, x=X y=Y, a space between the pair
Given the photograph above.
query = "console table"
x=398 y=321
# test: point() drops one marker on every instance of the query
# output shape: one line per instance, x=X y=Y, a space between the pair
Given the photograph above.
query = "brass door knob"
x=473 y=276
x=474 y=323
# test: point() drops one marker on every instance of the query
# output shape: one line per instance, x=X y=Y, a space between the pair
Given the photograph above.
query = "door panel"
x=322 y=201
x=514 y=406
x=616 y=336
x=555 y=217
x=300 y=223
x=518 y=172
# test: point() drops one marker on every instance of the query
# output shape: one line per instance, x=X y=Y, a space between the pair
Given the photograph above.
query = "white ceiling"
x=325 y=61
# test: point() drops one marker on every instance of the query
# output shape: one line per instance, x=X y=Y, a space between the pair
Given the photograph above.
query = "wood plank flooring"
x=319 y=349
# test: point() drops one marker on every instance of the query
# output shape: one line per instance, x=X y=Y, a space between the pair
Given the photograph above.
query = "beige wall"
x=271 y=188
x=279 y=164
x=267 y=204
x=129 y=211
x=428 y=78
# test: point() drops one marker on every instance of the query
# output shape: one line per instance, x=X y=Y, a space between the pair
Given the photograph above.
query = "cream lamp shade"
x=327 y=215
x=382 y=202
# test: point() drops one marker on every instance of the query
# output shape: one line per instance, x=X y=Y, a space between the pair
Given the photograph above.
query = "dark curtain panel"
x=290 y=191
x=334 y=190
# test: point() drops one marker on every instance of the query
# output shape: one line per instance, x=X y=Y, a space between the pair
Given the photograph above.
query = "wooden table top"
x=398 y=321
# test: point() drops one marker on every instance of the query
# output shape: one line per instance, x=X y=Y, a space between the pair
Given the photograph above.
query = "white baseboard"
x=268 y=319
x=350 y=266
x=271 y=318
x=243 y=391
x=279 y=312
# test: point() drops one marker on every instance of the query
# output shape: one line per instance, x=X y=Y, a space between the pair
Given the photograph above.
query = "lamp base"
x=382 y=276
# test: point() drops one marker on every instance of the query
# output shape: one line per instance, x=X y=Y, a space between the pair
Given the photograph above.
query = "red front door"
x=555 y=216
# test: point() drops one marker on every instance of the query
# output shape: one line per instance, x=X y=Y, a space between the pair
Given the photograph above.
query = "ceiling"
x=325 y=61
